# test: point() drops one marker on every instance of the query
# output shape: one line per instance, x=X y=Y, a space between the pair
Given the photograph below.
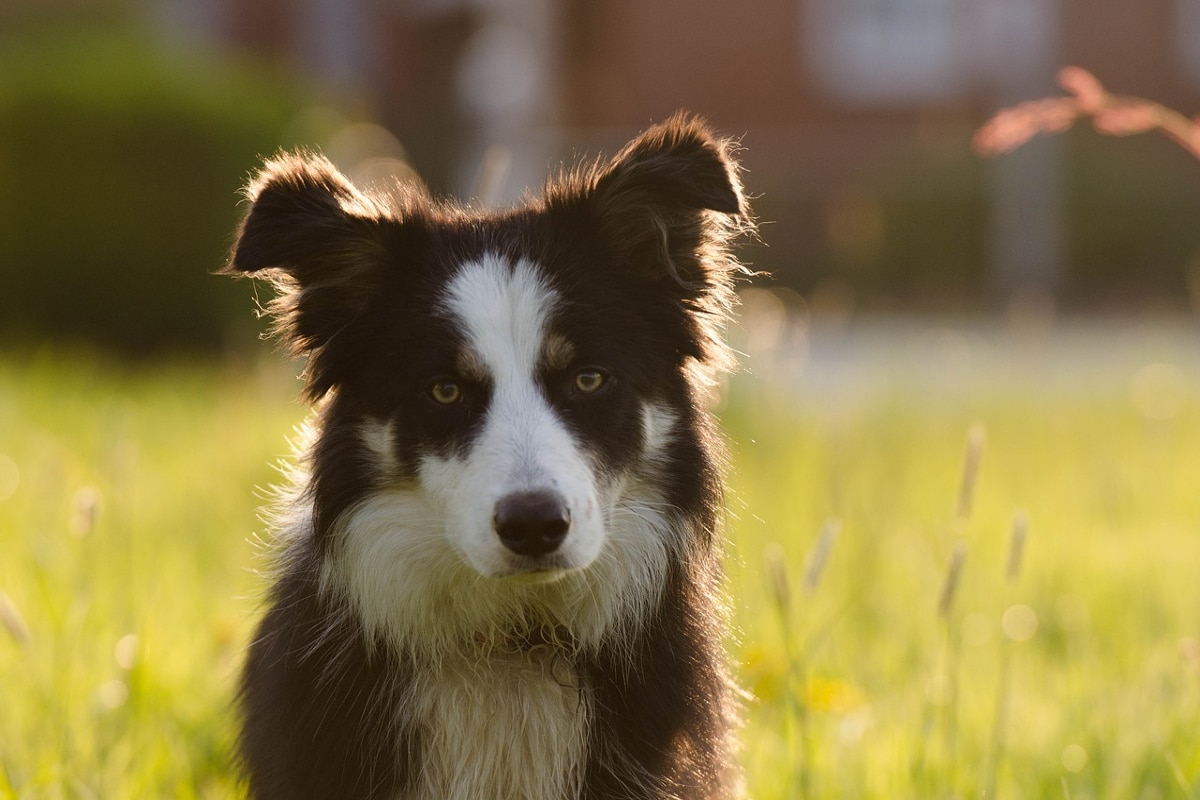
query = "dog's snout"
x=532 y=523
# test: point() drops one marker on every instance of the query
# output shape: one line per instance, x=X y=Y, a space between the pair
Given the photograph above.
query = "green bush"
x=120 y=167
x=917 y=233
x=1133 y=206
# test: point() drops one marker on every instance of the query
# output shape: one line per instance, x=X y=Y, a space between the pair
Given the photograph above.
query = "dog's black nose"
x=532 y=523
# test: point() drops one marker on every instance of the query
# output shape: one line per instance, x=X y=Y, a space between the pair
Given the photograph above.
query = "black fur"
x=639 y=249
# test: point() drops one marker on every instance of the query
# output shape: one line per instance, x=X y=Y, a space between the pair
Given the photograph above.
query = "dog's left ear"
x=678 y=163
x=672 y=201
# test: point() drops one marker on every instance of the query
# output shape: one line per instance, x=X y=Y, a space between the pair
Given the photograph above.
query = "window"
x=884 y=51
x=901 y=52
x=1187 y=37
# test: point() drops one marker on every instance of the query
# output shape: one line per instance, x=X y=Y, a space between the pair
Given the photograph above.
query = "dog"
x=497 y=568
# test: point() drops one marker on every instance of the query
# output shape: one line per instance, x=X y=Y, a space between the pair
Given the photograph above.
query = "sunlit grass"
x=124 y=532
x=127 y=510
x=1071 y=672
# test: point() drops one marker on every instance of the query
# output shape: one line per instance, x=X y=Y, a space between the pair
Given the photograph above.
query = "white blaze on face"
x=418 y=562
x=523 y=447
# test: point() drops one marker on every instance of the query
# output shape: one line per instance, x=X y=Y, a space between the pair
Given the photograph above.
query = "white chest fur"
x=512 y=727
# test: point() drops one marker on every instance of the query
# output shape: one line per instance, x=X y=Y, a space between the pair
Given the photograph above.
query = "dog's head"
x=514 y=392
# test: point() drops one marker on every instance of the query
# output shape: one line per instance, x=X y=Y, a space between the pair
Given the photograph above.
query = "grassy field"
x=1066 y=668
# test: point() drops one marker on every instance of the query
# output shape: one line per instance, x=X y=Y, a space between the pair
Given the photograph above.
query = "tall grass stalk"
x=941 y=693
x=797 y=647
x=796 y=719
x=941 y=702
x=1003 y=700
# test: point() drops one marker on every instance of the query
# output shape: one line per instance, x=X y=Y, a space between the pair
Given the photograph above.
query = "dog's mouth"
x=543 y=569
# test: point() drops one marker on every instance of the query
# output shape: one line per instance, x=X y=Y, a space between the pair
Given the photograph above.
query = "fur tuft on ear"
x=671 y=201
x=678 y=164
x=670 y=205
x=318 y=239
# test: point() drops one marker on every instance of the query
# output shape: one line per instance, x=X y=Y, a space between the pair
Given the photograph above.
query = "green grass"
x=127 y=513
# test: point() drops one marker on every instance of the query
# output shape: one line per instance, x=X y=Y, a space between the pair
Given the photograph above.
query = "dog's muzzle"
x=532 y=523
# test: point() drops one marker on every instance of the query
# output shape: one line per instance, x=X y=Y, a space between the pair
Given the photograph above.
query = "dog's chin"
x=524 y=569
x=534 y=575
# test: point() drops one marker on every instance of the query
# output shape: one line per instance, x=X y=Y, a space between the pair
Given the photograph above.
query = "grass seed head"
x=950 y=585
x=13 y=622
x=85 y=510
x=819 y=556
x=777 y=578
x=1016 y=545
x=970 y=474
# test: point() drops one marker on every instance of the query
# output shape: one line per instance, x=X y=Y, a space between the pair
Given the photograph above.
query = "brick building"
x=834 y=99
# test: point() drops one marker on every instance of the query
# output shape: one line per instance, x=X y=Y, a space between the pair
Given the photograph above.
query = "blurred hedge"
x=120 y=167
x=910 y=230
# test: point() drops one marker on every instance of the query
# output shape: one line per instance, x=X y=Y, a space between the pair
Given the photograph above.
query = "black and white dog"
x=498 y=569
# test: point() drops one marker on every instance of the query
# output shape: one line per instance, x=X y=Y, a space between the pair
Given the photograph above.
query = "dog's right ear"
x=319 y=240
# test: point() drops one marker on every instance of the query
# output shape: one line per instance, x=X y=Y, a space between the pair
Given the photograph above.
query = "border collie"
x=498 y=569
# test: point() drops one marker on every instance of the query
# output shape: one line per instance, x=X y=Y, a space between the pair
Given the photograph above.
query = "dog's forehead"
x=504 y=308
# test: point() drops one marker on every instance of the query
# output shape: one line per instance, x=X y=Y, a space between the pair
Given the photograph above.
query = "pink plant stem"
x=1113 y=115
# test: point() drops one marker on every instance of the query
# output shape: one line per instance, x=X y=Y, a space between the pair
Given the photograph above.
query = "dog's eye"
x=445 y=391
x=589 y=380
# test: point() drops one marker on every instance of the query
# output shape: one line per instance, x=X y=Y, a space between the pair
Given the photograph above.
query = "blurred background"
x=127 y=128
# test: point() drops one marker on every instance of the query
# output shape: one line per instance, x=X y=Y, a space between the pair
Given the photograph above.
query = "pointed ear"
x=671 y=202
x=318 y=239
x=669 y=207
x=678 y=166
